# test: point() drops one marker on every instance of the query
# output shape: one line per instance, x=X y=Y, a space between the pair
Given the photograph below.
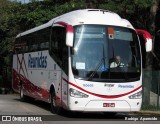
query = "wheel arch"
x=52 y=89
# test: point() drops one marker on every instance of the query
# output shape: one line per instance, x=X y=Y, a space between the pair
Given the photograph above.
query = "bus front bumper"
x=107 y=106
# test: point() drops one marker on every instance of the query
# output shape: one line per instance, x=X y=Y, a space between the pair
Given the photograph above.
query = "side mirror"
x=69 y=35
x=147 y=38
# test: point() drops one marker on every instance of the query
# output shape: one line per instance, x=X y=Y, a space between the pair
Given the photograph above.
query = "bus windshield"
x=105 y=53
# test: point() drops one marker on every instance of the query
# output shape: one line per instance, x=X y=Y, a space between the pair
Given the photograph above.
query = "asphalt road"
x=12 y=109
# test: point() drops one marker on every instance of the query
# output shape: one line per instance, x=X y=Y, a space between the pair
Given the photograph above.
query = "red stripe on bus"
x=61 y=23
x=68 y=27
x=144 y=33
x=103 y=96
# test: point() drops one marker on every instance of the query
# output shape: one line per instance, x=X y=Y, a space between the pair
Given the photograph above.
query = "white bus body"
x=68 y=82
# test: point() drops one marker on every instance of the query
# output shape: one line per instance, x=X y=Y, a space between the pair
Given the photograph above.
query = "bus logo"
x=39 y=61
x=125 y=86
x=109 y=86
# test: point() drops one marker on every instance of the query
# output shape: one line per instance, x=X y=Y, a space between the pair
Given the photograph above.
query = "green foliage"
x=137 y=11
x=150 y=107
x=17 y=17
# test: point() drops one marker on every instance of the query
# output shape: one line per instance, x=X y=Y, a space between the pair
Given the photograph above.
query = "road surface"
x=12 y=109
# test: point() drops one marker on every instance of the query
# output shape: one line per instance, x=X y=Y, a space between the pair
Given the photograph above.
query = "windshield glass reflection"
x=105 y=53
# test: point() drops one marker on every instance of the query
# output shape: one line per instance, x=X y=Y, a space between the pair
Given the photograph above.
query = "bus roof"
x=85 y=16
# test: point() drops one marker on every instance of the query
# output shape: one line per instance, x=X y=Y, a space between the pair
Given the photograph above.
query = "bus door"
x=58 y=51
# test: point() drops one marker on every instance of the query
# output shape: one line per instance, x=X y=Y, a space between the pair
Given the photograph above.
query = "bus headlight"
x=137 y=95
x=77 y=94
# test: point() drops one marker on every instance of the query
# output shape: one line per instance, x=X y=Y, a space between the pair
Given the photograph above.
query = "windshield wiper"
x=97 y=67
x=99 y=64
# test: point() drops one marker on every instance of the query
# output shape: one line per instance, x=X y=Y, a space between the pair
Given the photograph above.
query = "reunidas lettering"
x=37 y=62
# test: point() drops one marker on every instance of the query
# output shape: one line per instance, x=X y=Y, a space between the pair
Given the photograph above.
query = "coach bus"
x=67 y=62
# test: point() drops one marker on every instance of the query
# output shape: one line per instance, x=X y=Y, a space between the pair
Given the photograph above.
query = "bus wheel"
x=22 y=96
x=54 y=108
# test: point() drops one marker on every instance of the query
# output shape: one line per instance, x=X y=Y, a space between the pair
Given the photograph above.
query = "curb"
x=155 y=113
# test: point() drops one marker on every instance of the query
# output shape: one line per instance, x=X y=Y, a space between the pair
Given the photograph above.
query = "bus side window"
x=20 y=45
x=44 y=37
x=57 y=41
x=64 y=53
x=44 y=45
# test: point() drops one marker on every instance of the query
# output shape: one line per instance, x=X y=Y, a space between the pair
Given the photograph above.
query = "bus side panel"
x=17 y=69
x=64 y=91
x=37 y=84
x=37 y=81
x=56 y=76
x=15 y=78
x=34 y=78
x=56 y=79
x=38 y=75
x=15 y=81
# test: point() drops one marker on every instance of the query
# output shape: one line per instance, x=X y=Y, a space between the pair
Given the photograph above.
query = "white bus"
x=67 y=62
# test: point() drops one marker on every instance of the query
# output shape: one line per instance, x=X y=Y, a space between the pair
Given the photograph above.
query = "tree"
x=156 y=59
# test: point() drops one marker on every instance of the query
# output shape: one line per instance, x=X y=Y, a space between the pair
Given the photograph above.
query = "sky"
x=22 y=1
x=25 y=1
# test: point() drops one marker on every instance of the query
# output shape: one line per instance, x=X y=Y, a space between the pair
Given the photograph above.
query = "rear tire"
x=22 y=96
x=54 y=108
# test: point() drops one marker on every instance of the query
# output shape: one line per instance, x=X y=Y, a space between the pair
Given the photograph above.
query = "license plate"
x=108 y=104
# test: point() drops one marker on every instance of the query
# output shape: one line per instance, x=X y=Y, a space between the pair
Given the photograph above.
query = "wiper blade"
x=97 y=67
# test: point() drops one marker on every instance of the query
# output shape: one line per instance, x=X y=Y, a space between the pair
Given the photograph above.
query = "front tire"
x=54 y=108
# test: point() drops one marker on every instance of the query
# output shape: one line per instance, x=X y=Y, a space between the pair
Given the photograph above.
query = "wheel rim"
x=21 y=93
x=53 y=101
